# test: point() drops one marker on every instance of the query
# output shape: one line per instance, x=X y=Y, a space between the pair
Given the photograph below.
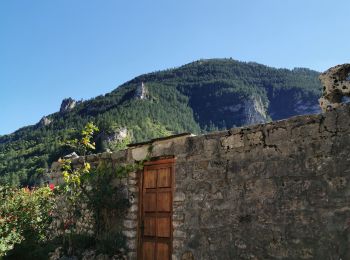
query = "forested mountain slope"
x=201 y=96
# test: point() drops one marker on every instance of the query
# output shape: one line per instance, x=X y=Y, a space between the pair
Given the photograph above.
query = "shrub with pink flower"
x=24 y=215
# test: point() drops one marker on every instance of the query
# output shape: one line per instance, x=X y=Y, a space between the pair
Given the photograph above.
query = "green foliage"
x=192 y=98
x=74 y=216
x=84 y=144
x=89 y=195
x=24 y=216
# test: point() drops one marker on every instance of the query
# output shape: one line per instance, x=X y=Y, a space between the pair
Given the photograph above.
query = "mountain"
x=201 y=96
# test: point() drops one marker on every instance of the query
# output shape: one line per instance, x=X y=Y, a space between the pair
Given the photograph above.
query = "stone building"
x=271 y=191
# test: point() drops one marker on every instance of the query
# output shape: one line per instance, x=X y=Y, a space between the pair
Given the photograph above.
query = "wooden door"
x=156 y=226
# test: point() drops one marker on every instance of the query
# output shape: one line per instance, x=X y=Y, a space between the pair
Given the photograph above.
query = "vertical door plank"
x=150 y=202
x=148 y=251
x=163 y=227
x=164 y=178
x=164 y=202
x=150 y=179
x=149 y=226
x=163 y=251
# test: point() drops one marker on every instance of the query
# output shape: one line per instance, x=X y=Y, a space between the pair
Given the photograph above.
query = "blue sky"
x=54 y=49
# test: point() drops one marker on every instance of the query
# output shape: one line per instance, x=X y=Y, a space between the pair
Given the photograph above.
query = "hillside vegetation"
x=198 y=97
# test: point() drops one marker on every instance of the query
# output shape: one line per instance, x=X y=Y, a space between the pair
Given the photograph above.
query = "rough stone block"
x=177 y=244
x=178 y=224
x=130 y=233
x=139 y=153
x=211 y=145
x=134 y=208
x=179 y=216
x=130 y=224
x=233 y=141
x=276 y=136
x=132 y=182
x=131 y=244
x=132 y=175
x=179 y=196
x=161 y=148
x=255 y=138
x=133 y=188
x=194 y=146
x=131 y=216
x=179 y=234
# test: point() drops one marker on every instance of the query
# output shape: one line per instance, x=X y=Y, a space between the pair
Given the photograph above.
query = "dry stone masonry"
x=271 y=191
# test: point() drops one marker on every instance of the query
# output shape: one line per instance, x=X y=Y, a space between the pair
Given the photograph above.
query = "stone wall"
x=128 y=225
x=274 y=191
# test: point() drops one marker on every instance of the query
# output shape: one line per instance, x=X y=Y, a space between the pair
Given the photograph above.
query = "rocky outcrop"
x=336 y=85
x=114 y=140
x=68 y=104
x=255 y=111
x=44 y=121
x=71 y=156
x=141 y=92
x=248 y=112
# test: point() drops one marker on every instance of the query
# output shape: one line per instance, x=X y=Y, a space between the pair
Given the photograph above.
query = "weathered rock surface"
x=44 y=121
x=112 y=140
x=68 y=104
x=273 y=191
x=141 y=92
x=336 y=84
x=118 y=135
x=71 y=156
x=251 y=111
x=254 y=111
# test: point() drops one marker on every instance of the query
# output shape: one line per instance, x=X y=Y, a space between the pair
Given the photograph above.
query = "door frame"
x=156 y=161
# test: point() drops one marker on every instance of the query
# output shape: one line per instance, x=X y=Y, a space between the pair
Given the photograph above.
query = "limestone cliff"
x=68 y=104
x=255 y=111
x=113 y=139
x=141 y=91
x=248 y=111
x=44 y=121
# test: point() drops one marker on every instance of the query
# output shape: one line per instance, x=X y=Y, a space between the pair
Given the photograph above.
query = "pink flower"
x=51 y=186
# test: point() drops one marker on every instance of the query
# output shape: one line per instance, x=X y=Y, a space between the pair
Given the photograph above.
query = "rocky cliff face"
x=248 y=112
x=254 y=111
x=141 y=92
x=113 y=140
x=44 y=121
x=68 y=104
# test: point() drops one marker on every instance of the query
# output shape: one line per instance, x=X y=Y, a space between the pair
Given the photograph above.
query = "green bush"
x=24 y=216
x=70 y=218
